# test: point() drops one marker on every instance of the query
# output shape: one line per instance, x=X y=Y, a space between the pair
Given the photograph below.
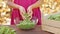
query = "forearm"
x=37 y=4
x=13 y=5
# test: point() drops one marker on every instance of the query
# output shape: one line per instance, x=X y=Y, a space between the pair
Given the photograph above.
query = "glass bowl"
x=28 y=25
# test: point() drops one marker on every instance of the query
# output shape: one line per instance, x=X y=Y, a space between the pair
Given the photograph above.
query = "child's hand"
x=29 y=11
x=22 y=11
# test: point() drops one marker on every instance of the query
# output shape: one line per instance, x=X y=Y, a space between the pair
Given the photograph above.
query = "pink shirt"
x=26 y=4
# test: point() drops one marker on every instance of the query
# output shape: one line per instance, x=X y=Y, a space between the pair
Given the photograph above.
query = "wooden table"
x=37 y=30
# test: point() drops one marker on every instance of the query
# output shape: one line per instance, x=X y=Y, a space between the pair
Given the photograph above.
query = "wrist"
x=21 y=7
x=30 y=7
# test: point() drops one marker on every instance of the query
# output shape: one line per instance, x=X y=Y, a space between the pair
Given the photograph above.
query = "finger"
x=23 y=11
x=23 y=17
x=30 y=17
x=30 y=13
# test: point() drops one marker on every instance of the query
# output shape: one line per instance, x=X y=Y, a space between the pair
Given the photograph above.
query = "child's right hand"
x=22 y=11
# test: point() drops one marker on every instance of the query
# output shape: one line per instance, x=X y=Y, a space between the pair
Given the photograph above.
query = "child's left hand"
x=29 y=11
